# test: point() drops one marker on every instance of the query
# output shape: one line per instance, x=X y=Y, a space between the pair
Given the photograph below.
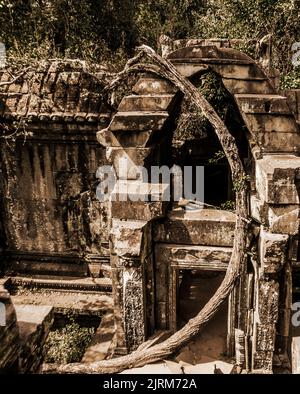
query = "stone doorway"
x=191 y=289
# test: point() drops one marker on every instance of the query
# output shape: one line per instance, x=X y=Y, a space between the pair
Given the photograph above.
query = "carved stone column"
x=272 y=258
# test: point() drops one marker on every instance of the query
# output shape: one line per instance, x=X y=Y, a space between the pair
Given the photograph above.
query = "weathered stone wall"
x=48 y=184
x=49 y=198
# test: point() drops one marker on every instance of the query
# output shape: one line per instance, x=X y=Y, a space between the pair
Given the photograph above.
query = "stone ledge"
x=138 y=121
x=34 y=324
x=262 y=104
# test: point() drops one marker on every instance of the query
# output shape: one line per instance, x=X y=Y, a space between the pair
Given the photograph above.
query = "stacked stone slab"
x=133 y=140
x=9 y=333
x=23 y=332
x=273 y=137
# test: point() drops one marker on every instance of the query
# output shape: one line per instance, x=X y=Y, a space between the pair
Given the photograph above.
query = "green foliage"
x=217 y=157
x=240 y=183
x=96 y=30
x=68 y=344
x=93 y=29
x=107 y=31
x=253 y=19
x=192 y=124
x=291 y=80
x=228 y=205
x=174 y=18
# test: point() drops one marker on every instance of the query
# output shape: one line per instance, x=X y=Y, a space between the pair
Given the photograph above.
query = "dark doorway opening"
x=195 y=288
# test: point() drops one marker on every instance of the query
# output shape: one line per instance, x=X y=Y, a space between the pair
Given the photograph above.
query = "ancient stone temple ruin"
x=133 y=263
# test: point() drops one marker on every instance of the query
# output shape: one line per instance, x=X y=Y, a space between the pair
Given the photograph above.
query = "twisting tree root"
x=149 y=354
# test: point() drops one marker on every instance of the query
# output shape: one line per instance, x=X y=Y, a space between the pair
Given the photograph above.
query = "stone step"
x=150 y=86
x=202 y=227
x=210 y=53
x=212 y=61
x=34 y=324
x=269 y=123
x=262 y=104
x=80 y=303
x=239 y=86
x=280 y=219
x=9 y=332
x=295 y=355
x=274 y=132
x=31 y=267
x=127 y=161
x=293 y=99
x=239 y=71
x=138 y=121
x=157 y=102
x=38 y=264
x=63 y=283
x=225 y=69
x=125 y=139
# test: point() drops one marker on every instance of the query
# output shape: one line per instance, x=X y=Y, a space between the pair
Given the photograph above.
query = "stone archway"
x=136 y=135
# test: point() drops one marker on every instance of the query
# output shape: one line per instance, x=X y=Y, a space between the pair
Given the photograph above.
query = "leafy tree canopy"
x=109 y=30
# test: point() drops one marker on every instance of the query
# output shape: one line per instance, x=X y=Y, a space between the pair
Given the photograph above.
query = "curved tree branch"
x=165 y=69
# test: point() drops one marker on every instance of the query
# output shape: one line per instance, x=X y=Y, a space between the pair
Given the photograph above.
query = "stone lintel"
x=201 y=227
x=194 y=257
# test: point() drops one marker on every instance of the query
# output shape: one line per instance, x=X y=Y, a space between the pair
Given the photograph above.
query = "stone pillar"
x=272 y=255
x=129 y=252
x=132 y=264
x=134 y=142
